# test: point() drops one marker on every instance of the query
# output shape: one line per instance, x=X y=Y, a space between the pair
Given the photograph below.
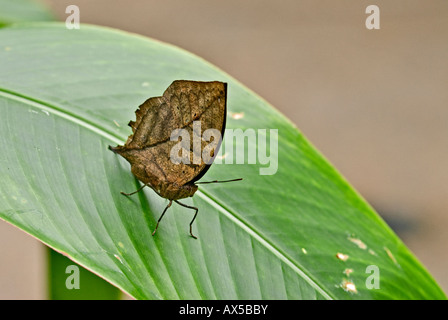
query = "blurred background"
x=374 y=102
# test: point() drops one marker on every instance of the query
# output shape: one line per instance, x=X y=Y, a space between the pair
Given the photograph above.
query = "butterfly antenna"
x=217 y=181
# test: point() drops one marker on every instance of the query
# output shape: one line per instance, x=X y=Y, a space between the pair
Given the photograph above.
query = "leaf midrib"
x=42 y=105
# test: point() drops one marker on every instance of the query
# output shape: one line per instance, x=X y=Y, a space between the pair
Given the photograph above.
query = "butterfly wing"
x=222 y=130
x=148 y=149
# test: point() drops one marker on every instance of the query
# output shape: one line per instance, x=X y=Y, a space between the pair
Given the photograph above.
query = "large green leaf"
x=65 y=95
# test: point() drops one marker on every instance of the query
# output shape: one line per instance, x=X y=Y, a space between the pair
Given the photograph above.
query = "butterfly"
x=184 y=106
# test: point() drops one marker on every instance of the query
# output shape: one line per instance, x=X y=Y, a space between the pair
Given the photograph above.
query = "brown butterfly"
x=185 y=105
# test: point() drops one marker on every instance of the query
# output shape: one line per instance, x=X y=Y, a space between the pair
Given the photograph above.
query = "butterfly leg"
x=194 y=217
x=157 y=225
x=130 y=194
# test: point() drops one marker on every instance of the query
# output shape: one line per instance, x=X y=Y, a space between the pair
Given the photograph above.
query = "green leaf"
x=12 y=11
x=65 y=95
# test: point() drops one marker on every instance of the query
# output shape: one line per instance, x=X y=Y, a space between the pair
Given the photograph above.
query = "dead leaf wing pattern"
x=148 y=148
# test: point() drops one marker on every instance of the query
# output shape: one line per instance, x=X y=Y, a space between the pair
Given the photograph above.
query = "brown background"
x=375 y=102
